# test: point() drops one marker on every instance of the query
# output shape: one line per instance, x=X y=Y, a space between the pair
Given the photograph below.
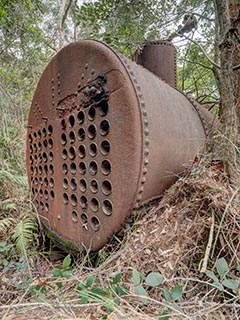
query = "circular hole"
x=104 y=127
x=71 y=121
x=51 y=182
x=45 y=169
x=39 y=134
x=95 y=223
x=50 y=129
x=65 y=198
x=75 y=216
x=52 y=194
x=31 y=160
x=80 y=117
x=82 y=167
x=107 y=207
x=94 y=204
x=40 y=158
x=93 y=168
x=94 y=186
x=65 y=183
x=47 y=207
x=50 y=143
x=46 y=194
x=30 y=137
x=73 y=168
x=91 y=113
x=40 y=169
x=84 y=218
x=35 y=134
x=36 y=204
x=39 y=146
x=65 y=168
x=41 y=180
x=103 y=108
x=106 y=187
x=82 y=151
x=64 y=154
x=63 y=124
x=41 y=205
x=31 y=148
x=33 y=191
x=72 y=153
x=73 y=184
x=83 y=185
x=36 y=180
x=63 y=139
x=45 y=143
x=51 y=169
x=45 y=181
x=93 y=149
x=92 y=131
x=35 y=147
x=81 y=134
x=35 y=157
x=44 y=156
x=74 y=200
x=106 y=167
x=72 y=136
x=83 y=202
x=51 y=156
x=44 y=132
x=41 y=193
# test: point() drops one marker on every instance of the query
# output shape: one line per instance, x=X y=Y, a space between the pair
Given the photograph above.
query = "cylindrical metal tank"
x=104 y=135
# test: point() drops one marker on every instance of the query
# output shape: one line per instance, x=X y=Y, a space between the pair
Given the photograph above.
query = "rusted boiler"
x=104 y=135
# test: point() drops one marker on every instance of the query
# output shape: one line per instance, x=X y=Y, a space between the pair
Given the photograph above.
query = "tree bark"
x=63 y=12
x=228 y=13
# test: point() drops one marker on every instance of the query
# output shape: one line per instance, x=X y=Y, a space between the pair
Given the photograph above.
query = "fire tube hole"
x=63 y=139
x=94 y=186
x=106 y=187
x=35 y=147
x=35 y=134
x=52 y=194
x=44 y=132
x=65 y=198
x=80 y=117
x=71 y=121
x=84 y=218
x=63 y=124
x=92 y=131
x=64 y=154
x=40 y=169
x=93 y=168
x=45 y=169
x=81 y=134
x=72 y=153
x=107 y=207
x=65 y=168
x=74 y=200
x=82 y=168
x=36 y=204
x=75 y=216
x=83 y=202
x=41 y=205
x=50 y=143
x=91 y=113
x=45 y=181
x=36 y=181
x=83 y=185
x=44 y=156
x=31 y=160
x=73 y=184
x=47 y=207
x=45 y=143
x=40 y=158
x=33 y=191
x=35 y=157
x=94 y=204
x=39 y=146
x=51 y=169
x=103 y=108
x=51 y=182
x=39 y=134
x=30 y=137
x=40 y=180
x=50 y=129
x=31 y=169
x=106 y=167
x=31 y=148
x=82 y=151
x=95 y=223
x=72 y=137
x=41 y=193
x=73 y=168
x=104 y=127
x=51 y=156
x=93 y=149
x=65 y=183
x=46 y=194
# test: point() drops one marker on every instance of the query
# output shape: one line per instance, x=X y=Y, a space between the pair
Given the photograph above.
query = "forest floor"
x=178 y=257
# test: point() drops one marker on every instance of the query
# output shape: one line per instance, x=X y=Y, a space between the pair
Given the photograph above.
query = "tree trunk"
x=228 y=13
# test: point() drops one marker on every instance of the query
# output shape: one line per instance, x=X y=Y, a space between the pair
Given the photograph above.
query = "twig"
x=209 y=245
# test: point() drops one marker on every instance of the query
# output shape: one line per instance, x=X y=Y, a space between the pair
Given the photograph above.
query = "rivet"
x=143 y=180
x=141 y=190
x=146 y=152
x=58 y=76
x=82 y=76
x=58 y=216
x=139 y=197
x=143 y=105
x=146 y=131
x=146 y=142
x=52 y=80
x=79 y=84
x=131 y=73
x=86 y=66
x=138 y=87
x=146 y=162
x=145 y=170
x=145 y=121
x=93 y=71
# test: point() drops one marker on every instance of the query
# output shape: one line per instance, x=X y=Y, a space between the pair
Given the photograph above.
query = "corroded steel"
x=159 y=57
x=104 y=135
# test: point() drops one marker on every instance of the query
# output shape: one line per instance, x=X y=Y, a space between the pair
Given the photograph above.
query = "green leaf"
x=177 y=292
x=117 y=278
x=98 y=292
x=218 y=285
x=140 y=291
x=238 y=267
x=211 y=275
x=154 y=279
x=136 y=279
x=67 y=274
x=222 y=267
x=90 y=280
x=66 y=262
x=57 y=273
x=230 y=284
x=84 y=296
x=166 y=294
x=164 y=315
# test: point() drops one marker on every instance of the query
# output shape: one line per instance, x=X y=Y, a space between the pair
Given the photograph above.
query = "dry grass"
x=170 y=236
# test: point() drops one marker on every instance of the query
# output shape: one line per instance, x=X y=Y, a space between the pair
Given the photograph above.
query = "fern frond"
x=5 y=224
x=12 y=177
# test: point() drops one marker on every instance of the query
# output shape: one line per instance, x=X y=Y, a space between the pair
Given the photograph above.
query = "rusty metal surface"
x=159 y=57
x=104 y=135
